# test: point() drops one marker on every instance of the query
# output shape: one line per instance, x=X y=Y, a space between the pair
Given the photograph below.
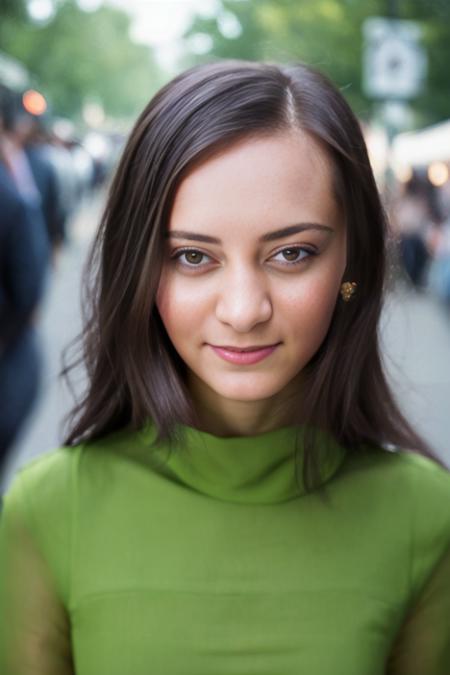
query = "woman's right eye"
x=192 y=257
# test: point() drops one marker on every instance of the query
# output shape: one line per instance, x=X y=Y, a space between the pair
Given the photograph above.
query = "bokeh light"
x=34 y=102
x=438 y=173
x=41 y=10
x=404 y=173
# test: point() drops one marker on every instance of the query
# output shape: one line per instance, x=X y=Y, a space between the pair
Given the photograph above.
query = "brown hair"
x=134 y=373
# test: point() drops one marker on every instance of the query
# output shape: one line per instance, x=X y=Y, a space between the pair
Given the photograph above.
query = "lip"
x=244 y=355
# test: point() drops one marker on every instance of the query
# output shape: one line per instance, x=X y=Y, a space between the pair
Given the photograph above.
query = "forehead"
x=258 y=183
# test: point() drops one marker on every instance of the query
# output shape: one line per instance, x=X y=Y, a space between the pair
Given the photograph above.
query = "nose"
x=244 y=300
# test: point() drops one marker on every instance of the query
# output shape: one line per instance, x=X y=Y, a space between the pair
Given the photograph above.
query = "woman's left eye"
x=292 y=255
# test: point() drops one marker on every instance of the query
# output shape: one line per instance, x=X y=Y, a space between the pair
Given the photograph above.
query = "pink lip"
x=243 y=358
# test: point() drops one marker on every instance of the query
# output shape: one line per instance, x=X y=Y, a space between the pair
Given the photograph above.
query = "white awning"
x=420 y=148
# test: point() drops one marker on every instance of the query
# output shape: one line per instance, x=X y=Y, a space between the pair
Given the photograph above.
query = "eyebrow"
x=269 y=236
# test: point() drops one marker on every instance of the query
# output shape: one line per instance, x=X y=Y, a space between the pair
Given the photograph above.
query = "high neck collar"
x=258 y=469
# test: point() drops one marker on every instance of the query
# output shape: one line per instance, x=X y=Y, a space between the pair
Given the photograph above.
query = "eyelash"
x=176 y=255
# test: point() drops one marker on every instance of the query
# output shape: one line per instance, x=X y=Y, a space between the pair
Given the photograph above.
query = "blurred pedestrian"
x=29 y=134
x=439 y=272
x=34 y=171
x=413 y=218
x=39 y=153
x=14 y=156
x=24 y=255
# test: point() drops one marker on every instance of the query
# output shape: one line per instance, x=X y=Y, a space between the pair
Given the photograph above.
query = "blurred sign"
x=394 y=62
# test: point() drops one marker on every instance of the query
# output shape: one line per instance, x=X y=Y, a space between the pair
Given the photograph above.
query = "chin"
x=250 y=391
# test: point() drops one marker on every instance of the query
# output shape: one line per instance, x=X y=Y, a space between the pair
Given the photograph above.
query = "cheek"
x=312 y=311
x=179 y=307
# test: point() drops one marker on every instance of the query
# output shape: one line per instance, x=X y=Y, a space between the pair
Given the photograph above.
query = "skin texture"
x=245 y=292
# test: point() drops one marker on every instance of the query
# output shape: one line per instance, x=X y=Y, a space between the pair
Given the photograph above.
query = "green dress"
x=213 y=560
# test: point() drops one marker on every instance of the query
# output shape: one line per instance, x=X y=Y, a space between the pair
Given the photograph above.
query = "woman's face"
x=256 y=252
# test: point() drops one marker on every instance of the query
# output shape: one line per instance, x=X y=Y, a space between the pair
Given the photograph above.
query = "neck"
x=226 y=417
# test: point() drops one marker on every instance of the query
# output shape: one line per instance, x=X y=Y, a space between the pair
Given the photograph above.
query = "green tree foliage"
x=12 y=12
x=327 y=34
x=85 y=56
x=13 y=9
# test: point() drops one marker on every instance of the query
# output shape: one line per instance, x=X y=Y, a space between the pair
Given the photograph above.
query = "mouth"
x=253 y=348
x=243 y=356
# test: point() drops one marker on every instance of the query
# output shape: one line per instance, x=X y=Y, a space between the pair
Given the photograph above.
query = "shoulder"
x=404 y=480
x=432 y=479
x=43 y=482
x=51 y=479
x=426 y=486
x=429 y=497
x=47 y=493
x=39 y=502
x=410 y=495
x=405 y=471
x=41 y=493
x=54 y=482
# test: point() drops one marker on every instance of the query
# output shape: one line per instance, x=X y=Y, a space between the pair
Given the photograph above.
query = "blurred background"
x=74 y=75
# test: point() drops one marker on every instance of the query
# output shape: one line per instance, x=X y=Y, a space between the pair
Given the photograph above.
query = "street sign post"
x=394 y=71
x=394 y=62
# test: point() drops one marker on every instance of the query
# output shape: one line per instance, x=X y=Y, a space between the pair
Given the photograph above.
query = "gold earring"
x=348 y=289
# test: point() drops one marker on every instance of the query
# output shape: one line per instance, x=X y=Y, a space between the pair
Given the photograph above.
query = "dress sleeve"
x=34 y=623
x=422 y=645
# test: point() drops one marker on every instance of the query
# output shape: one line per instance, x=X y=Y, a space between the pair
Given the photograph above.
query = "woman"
x=227 y=500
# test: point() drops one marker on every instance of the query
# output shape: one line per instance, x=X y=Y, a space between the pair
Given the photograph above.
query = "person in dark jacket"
x=24 y=258
x=28 y=141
